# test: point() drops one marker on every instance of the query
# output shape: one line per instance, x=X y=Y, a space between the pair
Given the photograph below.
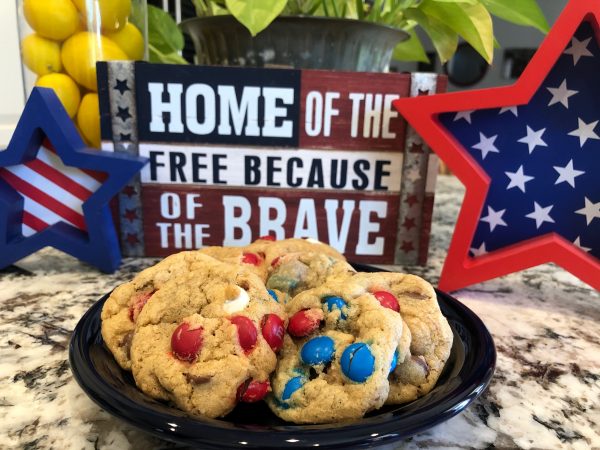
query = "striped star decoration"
x=529 y=157
x=55 y=192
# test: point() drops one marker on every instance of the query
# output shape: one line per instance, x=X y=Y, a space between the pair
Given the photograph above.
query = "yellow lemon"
x=130 y=39
x=65 y=88
x=113 y=13
x=81 y=52
x=41 y=55
x=52 y=19
x=88 y=119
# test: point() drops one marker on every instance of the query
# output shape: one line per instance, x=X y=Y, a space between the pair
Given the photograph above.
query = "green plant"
x=444 y=21
x=165 y=39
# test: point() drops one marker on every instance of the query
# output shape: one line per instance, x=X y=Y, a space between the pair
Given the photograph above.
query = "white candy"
x=313 y=241
x=237 y=304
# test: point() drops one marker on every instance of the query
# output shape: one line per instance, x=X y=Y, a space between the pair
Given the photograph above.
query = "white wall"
x=11 y=84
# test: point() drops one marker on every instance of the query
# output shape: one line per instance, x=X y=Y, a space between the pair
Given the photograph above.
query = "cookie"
x=297 y=272
x=273 y=249
x=430 y=334
x=337 y=355
x=122 y=308
x=208 y=339
x=251 y=257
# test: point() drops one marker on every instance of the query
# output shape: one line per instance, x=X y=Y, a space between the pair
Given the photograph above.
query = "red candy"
x=251 y=258
x=138 y=304
x=387 y=300
x=247 y=333
x=186 y=342
x=273 y=331
x=253 y=391
x=305 y=322
x=275 y=261
x=268 y=237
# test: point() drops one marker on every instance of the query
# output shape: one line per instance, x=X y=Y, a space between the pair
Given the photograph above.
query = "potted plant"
x=346 y=34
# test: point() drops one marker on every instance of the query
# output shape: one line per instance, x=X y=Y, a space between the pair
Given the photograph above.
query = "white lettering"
x=270 y=225
x=366 y=227
x=338 y=239
x=314 y=113
x=389 y=113
x=272 y=112
x=191 y=205
x=356 y=98
x=330 y=111
x=306 y=215
x=158 y=107
x=170 y=205
x=233 y=222
x=246 y=110
x=191 y=108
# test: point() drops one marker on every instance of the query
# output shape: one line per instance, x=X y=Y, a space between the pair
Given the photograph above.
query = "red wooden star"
x=129 y=191
x=423 y=113
x=407 y=246
x=409 y=223
x=130 y=214
x=132 y=238
x=412 y=200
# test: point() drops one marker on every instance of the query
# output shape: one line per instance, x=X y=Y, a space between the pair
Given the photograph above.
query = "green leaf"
x=444 y=39
x=411 y=49
x=472 y=22
x=256 y=15
x=520 y=12
x=156 y=56
x=163 y=33
x=470 y=2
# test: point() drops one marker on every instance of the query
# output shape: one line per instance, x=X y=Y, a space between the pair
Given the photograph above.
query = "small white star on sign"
x=463 y=115
x=577 y=242
x=578 y=49
x=567 y=174
x=486 y=145
x=479 y=251
x=561 y=94
x=512 y=109
x=533 y=139
x=585 y=131
x=494 y=218
x=540 y=214
x=591 y=210
x=518 y=179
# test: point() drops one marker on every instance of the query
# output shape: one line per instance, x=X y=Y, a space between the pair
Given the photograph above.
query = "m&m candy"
x=186 y=342
x=273 y=295
x=305 y=322
x=292 y=386
x=273 y=331
x=334 y=302
x=318 y=350
x=247 y=333
x=357 y=362
x=252 y=391
x=387 y=300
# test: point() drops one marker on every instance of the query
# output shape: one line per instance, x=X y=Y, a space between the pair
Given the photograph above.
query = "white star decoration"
x=533 y=139
x=540 y=214
x=512 y=109
x=479 y=251
x=494 y=218
x=567 y=174
x=578 y=49
x=577 y=242
x=464 y=115
x=518 y=179
x=591 y=210
x=413 y=175
x=486 y=145
x=585 y=131
x=561 y=94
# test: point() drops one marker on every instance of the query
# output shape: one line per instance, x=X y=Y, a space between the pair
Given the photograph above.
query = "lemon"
x=52 y=19
x=80 y=53
x=113 y=13
x=88 y=119
x=130 y=39
x=41 y=55
x=65 y=88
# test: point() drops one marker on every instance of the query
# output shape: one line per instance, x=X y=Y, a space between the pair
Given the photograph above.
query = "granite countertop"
x=545 y=392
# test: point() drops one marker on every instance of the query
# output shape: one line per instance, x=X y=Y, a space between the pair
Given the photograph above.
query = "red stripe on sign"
x=60 y=179
x=34 y=222
x=44 y=199
x=98 y=176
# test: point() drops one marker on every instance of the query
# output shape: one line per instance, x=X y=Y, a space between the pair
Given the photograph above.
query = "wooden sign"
x=238 y=153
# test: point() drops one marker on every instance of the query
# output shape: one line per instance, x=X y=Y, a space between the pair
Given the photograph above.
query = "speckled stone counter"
x=546 y=325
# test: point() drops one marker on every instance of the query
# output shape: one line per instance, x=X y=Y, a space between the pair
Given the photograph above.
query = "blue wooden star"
x=97 y=243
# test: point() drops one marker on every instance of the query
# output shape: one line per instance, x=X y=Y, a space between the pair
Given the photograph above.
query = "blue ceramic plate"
x=466 y=375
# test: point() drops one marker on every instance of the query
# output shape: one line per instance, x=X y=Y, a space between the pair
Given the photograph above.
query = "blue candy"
x=394 y=361
x=333 y=302
x=273 y=294
x=319 y=350
x=358 y=362
x=292 y=386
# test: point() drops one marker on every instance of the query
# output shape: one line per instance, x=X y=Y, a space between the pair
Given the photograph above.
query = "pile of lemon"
x=69 y=37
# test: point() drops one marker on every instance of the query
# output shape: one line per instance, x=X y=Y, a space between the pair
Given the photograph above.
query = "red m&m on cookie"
x=387 y=300
x=247 y=333
x=186 y=342
x=305 y=322
x=251 y=258
x=273 y=331
x=268 y=237
x=253 y=391
x=138 y=304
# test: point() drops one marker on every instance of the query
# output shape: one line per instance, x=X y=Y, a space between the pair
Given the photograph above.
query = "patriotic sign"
x=529 y=156
x=55 y=192
x=238 y=153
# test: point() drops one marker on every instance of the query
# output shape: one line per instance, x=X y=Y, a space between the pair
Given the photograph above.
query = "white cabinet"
x=11 y=81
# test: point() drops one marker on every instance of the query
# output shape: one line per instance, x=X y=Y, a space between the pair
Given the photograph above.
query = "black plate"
x=466 y=375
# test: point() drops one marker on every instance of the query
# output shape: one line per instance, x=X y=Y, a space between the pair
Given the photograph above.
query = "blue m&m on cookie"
x=273 y=295
x=394 y=361
x=318 y=350
x=357 y=362
x=334 y=302
x=291 y=386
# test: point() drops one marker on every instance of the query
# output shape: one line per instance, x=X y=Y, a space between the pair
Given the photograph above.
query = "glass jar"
x=61 y=41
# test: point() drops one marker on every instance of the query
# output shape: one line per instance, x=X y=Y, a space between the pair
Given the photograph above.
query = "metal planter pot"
x=298 y=42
